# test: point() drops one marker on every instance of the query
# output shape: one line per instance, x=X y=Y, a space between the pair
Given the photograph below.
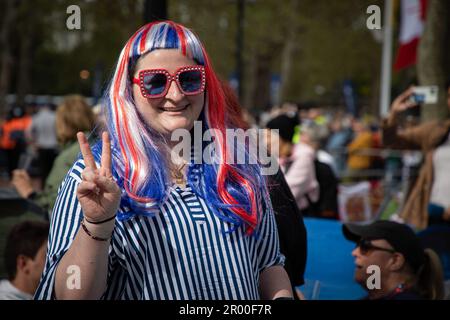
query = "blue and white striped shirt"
x=180 y=253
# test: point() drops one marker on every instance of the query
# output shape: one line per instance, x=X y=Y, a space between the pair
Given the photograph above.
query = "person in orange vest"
x=12 y=139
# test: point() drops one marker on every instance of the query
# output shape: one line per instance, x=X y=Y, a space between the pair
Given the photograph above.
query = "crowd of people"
x=143 y=223
x=321 y=148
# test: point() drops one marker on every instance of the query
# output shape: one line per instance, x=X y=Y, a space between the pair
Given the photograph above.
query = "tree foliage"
x=310 y=44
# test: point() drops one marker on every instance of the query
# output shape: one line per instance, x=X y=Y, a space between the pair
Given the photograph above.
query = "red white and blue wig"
x=236 y=193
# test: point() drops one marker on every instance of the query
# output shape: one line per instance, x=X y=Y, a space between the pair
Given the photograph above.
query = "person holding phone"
x=429 y=199
x=141 y=223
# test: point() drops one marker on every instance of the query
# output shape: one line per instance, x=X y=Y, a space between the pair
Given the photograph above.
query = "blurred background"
x=304 y=51
x=334 y=64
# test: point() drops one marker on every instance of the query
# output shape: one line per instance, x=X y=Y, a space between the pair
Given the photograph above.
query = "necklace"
x=178 y=174
x=399 y=289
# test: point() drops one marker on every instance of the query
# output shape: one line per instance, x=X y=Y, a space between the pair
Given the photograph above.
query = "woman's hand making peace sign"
x=98 y=193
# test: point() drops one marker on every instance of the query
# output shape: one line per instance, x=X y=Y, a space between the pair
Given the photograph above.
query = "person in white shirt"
x=42 y=133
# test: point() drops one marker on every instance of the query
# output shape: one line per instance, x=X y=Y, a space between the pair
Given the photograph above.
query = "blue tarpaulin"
x=330 y=265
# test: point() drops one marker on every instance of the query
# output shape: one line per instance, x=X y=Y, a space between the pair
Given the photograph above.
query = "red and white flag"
x=413 y=13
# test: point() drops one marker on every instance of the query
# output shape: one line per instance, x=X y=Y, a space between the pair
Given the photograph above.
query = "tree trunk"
x=24 y=74
x=261 y=93
x=6 y=58
x=287 y=54
x=251 y=66
x=286 y=66
x=432 y=55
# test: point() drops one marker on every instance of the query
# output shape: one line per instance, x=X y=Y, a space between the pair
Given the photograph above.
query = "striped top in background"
x=180 y=253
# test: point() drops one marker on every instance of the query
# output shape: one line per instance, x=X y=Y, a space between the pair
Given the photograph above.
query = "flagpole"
x=386 y=64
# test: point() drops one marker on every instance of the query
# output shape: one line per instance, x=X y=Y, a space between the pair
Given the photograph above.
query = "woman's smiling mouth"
x=175 y=109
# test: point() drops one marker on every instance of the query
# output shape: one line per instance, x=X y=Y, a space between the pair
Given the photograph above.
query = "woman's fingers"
x=86 y=151
x=99 y=183
x=406 y=94
x=410 y=104
x=405 y=98
x=88 y=174
x=105 y=168
x=87 y=187
x=106 y=184
x=403 y=102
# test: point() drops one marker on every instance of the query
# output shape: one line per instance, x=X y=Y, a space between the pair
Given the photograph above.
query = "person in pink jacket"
x=296 y=162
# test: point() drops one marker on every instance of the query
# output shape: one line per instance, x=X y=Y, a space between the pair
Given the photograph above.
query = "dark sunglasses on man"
x=365 y=246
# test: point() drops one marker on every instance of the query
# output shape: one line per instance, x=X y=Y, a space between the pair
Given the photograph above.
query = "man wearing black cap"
x=392 y=252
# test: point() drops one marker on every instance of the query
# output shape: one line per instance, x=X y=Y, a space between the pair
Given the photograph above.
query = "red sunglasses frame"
x=170 y=77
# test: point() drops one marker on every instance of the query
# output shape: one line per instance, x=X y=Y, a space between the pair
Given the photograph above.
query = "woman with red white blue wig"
x=134 y=219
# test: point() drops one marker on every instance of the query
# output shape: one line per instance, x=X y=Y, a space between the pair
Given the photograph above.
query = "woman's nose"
x=174 y=93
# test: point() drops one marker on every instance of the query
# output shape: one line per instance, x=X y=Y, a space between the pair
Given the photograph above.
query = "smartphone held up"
x=425 y=95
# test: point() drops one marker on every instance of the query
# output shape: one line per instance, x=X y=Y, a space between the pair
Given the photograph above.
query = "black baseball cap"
x=285 y=124
x=400 y=236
